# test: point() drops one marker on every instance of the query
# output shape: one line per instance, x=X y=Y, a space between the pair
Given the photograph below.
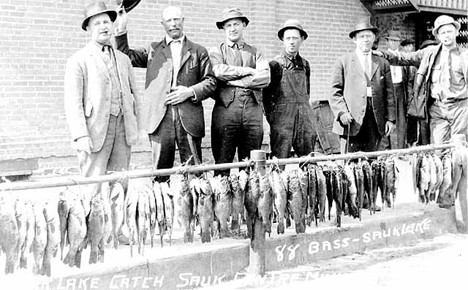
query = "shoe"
x=123 y=240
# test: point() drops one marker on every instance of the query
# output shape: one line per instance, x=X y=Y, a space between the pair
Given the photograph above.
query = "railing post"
x=461 y=203
x=257 y=245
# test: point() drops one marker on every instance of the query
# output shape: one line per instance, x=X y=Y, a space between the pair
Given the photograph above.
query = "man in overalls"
x=286 y=100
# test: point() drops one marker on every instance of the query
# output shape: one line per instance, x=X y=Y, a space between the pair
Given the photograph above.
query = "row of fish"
x=436 y=179
x=27 y=227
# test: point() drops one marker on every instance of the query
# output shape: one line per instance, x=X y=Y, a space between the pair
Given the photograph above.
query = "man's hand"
x=346 y=119
x=178 y=95
x=122 y=19
x=84 y=144
x=378 y=53
x=389 y=126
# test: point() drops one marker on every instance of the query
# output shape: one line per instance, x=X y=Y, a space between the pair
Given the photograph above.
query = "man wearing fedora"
x=242 y=73
x=442 y=76
x=101 y=101
x=286 y=99
x=179 y=77
x=399 y=90
x=362 y=99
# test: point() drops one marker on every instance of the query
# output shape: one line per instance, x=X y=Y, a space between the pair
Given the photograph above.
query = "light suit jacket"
x=349 y=93
x=195 y=71
x=88 y=95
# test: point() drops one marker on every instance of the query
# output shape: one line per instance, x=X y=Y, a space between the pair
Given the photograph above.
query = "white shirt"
x=361 y=57
x=176 y=52
x=397 y=75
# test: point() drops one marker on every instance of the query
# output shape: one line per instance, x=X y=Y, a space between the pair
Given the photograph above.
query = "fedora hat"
x=231 y=13
x=444 y=20
x=94 y=9
x=292 y=24
x=361 y=26
x=394 y=35
x=128 y=4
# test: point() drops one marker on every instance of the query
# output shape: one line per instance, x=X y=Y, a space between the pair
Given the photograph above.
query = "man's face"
x=292 y=41
x=100 y=28
x=393 y=44
x=173 y=22
x=447 y=34
x=364 y=40
x=234 y=29
x=408 y=48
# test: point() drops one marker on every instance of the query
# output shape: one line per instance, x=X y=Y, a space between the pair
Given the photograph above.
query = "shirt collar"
x=362 y=54
x=240 y=44
x=453 y=49
x=100 y=46
x=392 y=50
x=169 y=39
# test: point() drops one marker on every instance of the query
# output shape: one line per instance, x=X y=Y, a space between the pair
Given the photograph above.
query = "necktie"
x=106 y=50
x=366 y=65
x=176 y=48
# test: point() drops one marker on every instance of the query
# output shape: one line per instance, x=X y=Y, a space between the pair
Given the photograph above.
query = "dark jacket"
x=195 y=71
x=349 y=90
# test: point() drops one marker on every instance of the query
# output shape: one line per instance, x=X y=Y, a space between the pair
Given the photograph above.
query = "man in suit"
x=101 y=103
x=362 y=97
x=178 y=78
x=242 y=71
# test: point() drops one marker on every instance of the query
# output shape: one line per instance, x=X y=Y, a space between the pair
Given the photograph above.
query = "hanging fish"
x=312 y=195
x=131 y=203
x=295 y=200
x=117 y=201
x=345 y=190
x=168 y=208
x=63 y=211
x=352 y=190
x=9 y=234
x=279 y=188
x=21 y=221
x=304 y=185
x=251 y=200
x=105 y=196
x=143 y=219
x=444 y=198
x=96 y=227
x=222 y=204
x=184 y=204
x=389 y=180
x=337 y=193
x=424 y=179
x=265 y=203
x=205 y=210
x=368 y=185
x=432 y=178
x=359 y=177
x=76 y=233
x=30 y=231
x=53 y=237
x=457 y=170
x=439 y=174
x=321 y=193
x=382 y=181
x=159 y=212
x=152 y=212
x=238 y=196
x=329 y=188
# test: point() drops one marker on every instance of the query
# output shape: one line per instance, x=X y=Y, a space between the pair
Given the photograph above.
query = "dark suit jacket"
x=88 y=95
x=195 y=71
x=349 y=90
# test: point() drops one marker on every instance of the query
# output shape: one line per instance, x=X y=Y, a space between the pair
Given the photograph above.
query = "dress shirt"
x=361 y=56
x=397 y=75
x=176 y=52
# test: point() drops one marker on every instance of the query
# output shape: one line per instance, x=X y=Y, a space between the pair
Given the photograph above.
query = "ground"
x=422 y=264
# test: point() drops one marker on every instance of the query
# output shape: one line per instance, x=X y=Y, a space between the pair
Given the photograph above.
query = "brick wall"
x=37 y=36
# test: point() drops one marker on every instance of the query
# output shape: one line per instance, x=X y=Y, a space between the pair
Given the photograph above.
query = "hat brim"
x=393 y=38
x=130 y=4
x=220 y=24
x=373 y=29
x=282 y=30
x=436 y=29
x=112 y=14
